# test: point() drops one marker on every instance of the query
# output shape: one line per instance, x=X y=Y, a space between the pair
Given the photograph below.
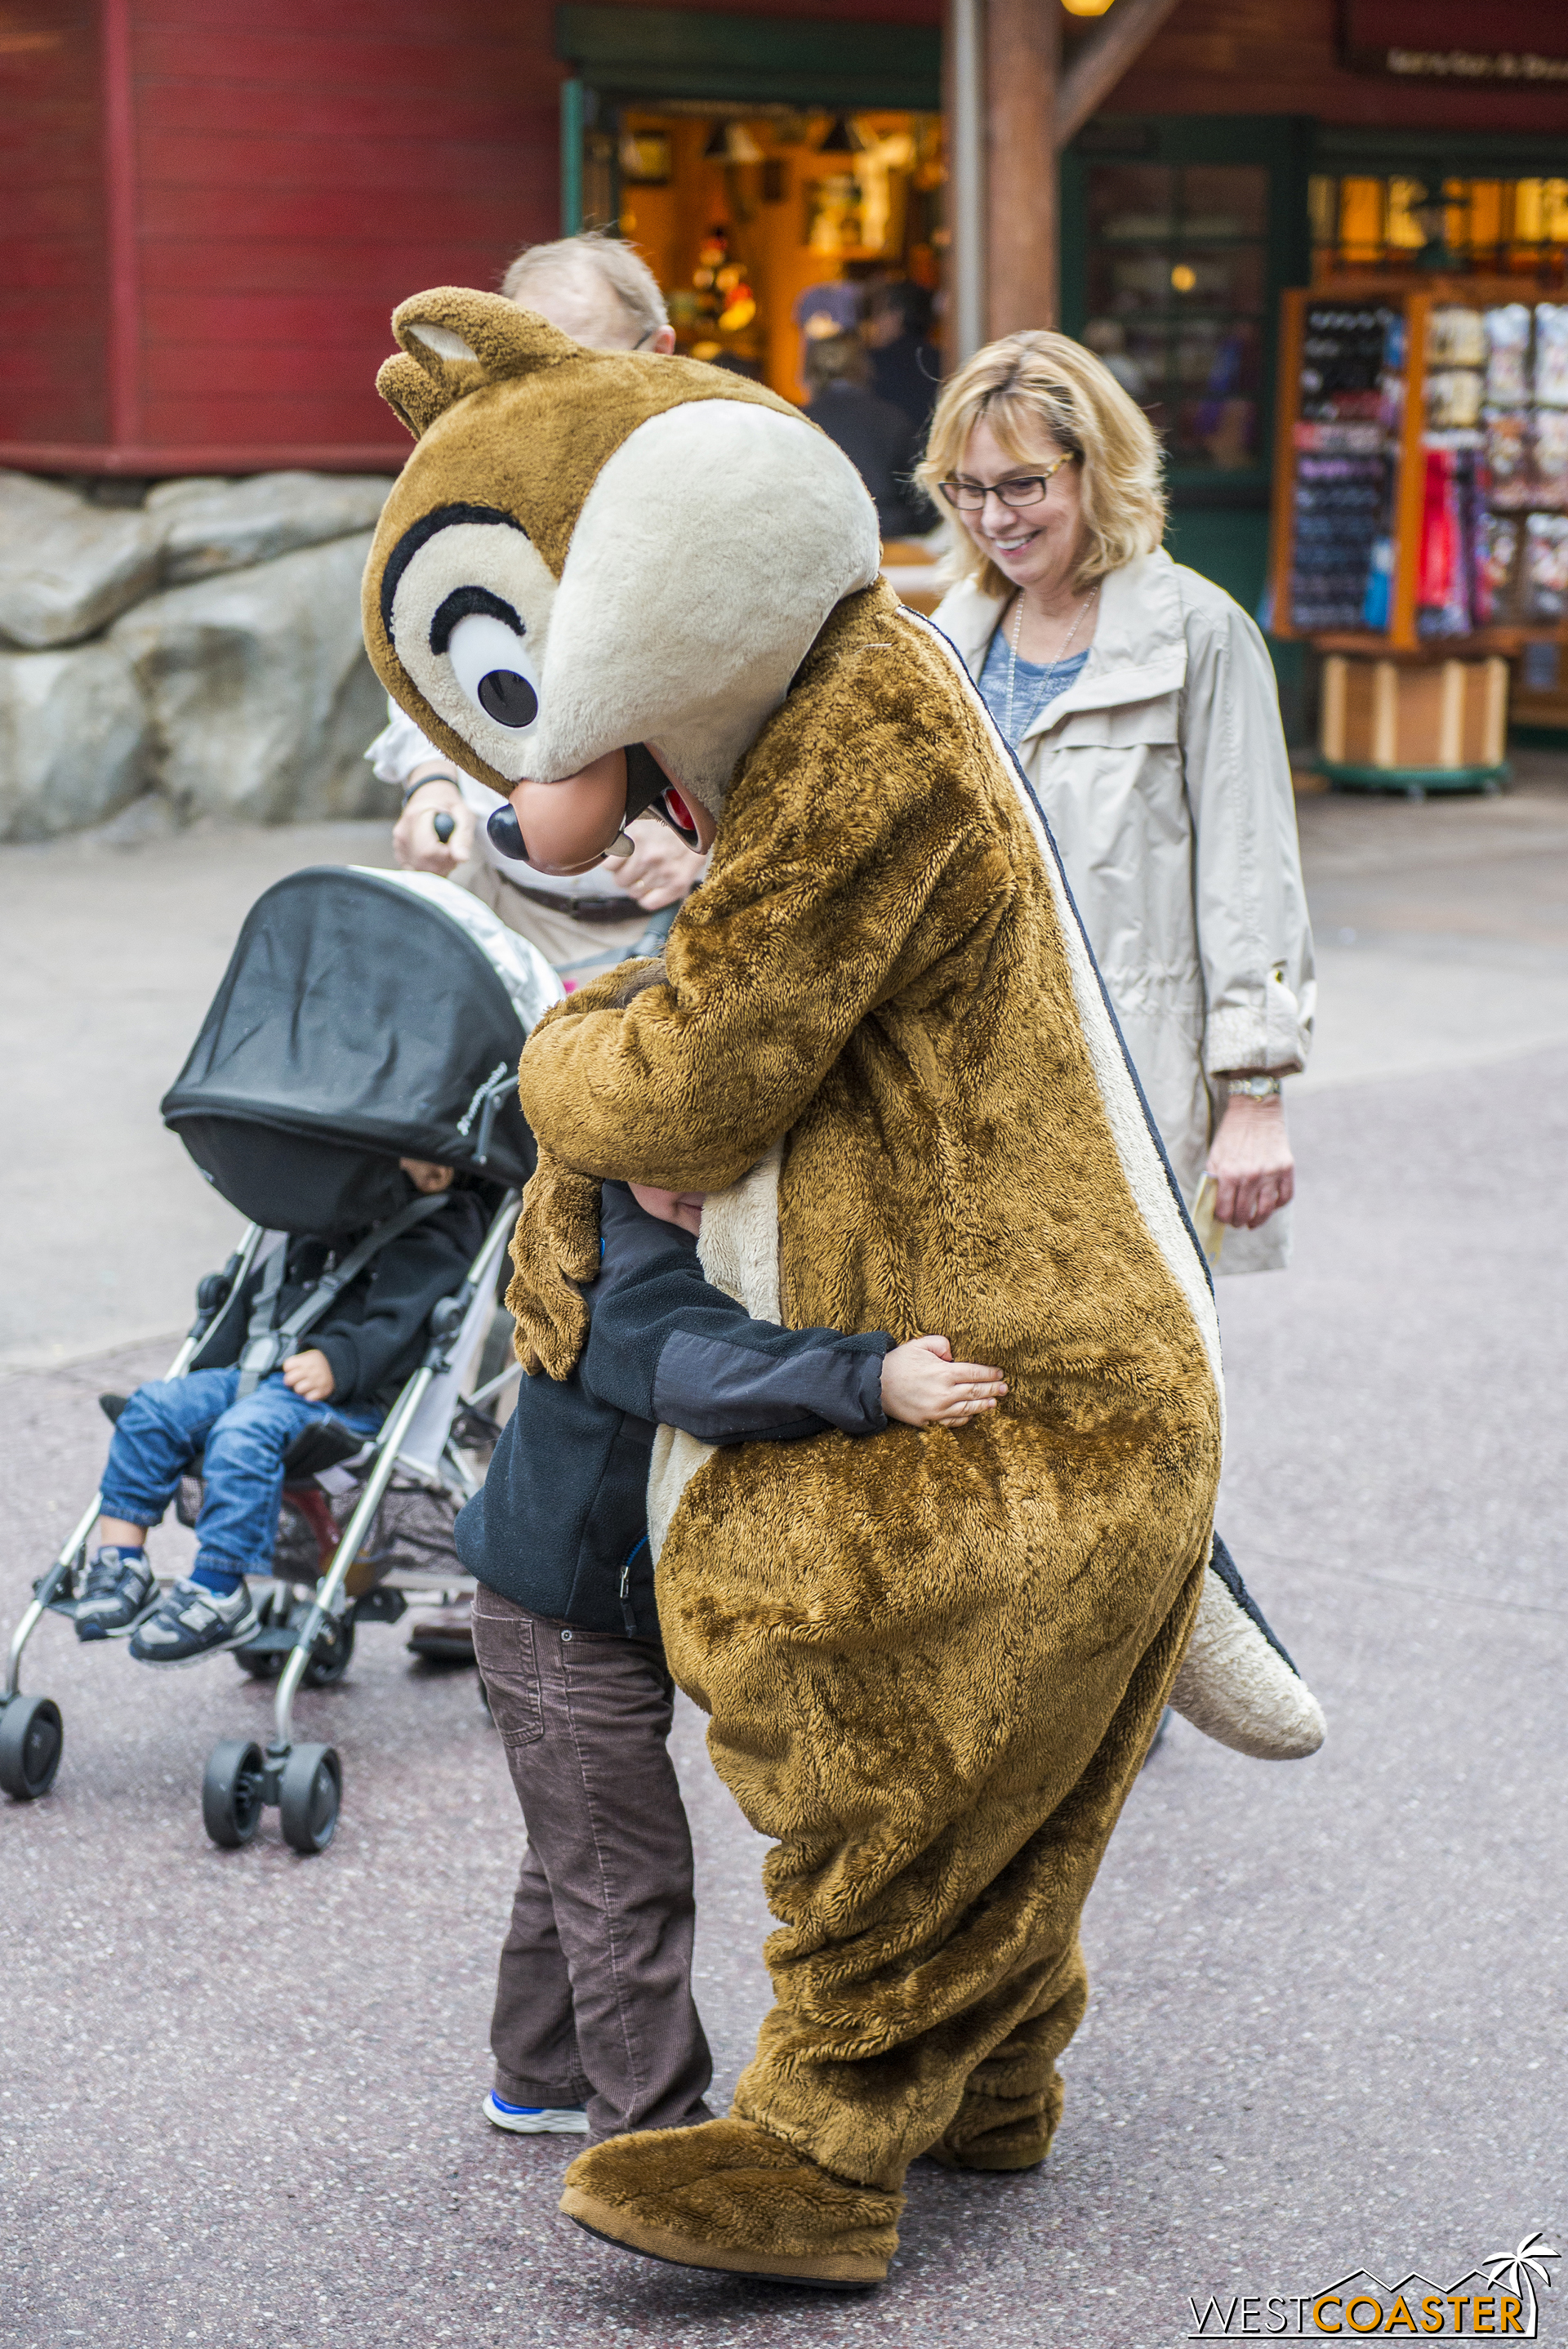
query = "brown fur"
x=730 y=2185
x=933 y=1661
x=554 y=1248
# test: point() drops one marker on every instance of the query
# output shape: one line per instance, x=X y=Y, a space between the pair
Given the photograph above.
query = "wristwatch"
x=1252 y=1087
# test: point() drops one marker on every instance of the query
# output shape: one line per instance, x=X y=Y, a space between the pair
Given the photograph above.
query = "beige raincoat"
x=1163 y=775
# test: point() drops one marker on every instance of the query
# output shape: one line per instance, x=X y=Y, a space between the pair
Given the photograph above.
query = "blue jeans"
x=165 y=1424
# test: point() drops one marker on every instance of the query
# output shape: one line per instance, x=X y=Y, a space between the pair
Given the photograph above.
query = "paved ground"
x=239 y=2092
x=108 y=958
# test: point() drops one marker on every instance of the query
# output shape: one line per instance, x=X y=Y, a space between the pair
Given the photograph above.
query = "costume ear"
x=456 y=340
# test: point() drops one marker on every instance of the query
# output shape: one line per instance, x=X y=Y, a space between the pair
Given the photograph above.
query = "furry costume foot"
x=1013 y=2102
x=996 y=2133
x=731 y=2196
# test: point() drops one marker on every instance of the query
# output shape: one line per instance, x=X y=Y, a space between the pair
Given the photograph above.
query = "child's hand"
x=924 y=1387
x=309 y=1375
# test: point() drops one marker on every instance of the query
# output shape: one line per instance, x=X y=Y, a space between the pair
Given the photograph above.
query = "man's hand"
x=414 y=841
x=924 y=1386
x=661 y=868
x=1250 y=1161
x=309 y=1375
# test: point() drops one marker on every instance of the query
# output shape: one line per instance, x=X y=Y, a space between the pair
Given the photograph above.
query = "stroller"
x=364 y=1017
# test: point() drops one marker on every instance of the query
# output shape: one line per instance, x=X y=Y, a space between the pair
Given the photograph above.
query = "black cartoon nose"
x=508 y=698
x=505 y=831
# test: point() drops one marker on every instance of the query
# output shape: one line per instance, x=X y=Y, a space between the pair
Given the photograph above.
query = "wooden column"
x=1023 y=60
x=964 y=101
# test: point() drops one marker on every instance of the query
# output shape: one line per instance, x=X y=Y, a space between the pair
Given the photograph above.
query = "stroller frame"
x=303 y=1781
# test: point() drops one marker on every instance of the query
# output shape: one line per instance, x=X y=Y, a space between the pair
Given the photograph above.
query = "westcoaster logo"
x=1499 y=2296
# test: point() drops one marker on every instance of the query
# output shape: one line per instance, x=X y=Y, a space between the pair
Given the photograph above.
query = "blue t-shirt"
x=1034 y=685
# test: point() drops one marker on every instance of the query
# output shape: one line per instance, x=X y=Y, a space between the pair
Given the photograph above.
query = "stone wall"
x=199 y=647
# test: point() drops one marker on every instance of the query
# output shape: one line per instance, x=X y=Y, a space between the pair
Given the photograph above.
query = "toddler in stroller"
x=364 y=1306
x=353 y=1093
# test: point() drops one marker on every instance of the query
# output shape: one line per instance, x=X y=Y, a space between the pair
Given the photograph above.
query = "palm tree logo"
x=1516 y=2271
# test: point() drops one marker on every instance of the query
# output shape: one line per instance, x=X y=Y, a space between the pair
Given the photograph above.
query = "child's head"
x=426 y=1175
x=682 y=1207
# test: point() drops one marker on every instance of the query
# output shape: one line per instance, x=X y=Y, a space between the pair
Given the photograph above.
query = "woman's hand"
x=1250 y=1160
x=924 y=1386
x=414 y=841
x=309 y=1375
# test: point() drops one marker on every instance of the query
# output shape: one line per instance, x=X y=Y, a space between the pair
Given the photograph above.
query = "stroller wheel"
x=308 y=1796
x=32 y=1738
x=260 y=1662
x=329 y=1658
x=264 y=1667
x=232 y=1793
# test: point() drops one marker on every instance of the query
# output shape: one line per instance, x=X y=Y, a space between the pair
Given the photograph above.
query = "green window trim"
x=701 y=55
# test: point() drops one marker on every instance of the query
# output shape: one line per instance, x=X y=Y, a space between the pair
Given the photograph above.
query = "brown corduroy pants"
x=593 y=2001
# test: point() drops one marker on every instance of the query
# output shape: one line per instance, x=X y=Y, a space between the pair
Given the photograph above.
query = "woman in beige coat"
x=1140 y=702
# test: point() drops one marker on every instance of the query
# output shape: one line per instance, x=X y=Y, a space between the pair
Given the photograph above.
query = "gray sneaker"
x=191 y=1622
x=119 y=1592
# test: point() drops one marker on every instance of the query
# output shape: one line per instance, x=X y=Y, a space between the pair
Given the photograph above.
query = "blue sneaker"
x=535 y=2121
x=120 y=1589
x=191 y=1622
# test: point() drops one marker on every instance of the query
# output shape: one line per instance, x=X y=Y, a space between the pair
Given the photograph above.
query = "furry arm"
x=554 y=1245
x=852 y=867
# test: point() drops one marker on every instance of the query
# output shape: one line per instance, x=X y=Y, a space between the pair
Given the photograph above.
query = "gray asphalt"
x=239 y=2099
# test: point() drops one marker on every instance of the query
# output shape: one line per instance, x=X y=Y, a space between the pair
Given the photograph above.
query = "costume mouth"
x=571 y=826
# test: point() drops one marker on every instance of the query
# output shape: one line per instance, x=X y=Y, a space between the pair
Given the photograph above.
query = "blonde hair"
x=593 y=258
x=1029 y=383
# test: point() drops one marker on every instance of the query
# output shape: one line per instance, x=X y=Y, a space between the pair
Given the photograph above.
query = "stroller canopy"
x=364 y=1017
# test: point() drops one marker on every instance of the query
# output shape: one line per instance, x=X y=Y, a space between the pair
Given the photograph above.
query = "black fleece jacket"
x=560 y=1526
x=373 y=1335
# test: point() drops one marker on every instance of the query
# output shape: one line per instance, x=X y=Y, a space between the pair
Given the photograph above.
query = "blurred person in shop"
x=906 y=365
x=877 y=437
x=601 y=292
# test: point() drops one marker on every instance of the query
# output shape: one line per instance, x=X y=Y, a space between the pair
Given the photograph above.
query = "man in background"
x=906 y=365
x=877 y=437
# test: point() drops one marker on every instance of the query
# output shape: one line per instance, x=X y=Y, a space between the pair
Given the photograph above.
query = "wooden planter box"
x=1423 y=724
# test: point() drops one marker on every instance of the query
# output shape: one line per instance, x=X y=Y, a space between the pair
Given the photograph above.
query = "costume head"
x=592 y=553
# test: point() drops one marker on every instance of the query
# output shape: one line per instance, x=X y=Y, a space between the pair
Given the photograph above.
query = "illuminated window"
x=1496 y=227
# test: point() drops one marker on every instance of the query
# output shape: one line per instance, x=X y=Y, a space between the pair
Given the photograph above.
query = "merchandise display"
x=1552 y=354
x=1343 y=473
x=1545 y=581
x=1424 y=465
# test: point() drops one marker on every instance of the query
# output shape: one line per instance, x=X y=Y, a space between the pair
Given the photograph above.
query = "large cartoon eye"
x=484 y=640
x=465 y=602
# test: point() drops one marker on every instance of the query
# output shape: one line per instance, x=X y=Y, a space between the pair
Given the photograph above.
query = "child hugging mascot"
x=933 y=1661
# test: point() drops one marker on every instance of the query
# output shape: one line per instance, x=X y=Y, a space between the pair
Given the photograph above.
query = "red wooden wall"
x=53 y=348
x=205 y=264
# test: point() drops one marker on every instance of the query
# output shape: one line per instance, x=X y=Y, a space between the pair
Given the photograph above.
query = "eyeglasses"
x=1018 y=490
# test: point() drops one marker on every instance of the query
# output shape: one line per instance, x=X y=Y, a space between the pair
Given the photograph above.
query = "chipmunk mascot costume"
x=933 y=1660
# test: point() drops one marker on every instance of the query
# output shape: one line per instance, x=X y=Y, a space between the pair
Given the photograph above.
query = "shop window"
x=1177 y=295
x=744 y=215
x=1486 y=227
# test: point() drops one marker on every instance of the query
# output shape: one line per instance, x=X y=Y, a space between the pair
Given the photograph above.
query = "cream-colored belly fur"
x=738 y=1250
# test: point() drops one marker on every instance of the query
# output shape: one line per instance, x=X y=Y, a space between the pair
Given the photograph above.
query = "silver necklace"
x=1012 y=662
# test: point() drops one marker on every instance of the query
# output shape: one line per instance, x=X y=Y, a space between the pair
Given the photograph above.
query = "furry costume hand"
x=555 y=1247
